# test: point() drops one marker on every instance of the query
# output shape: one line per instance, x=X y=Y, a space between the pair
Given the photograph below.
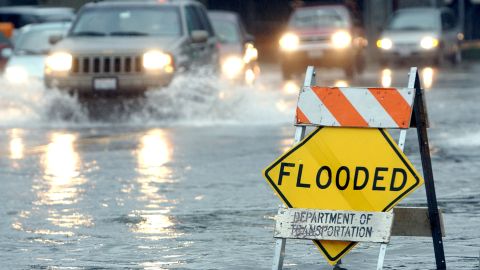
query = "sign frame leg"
x=299 y=135
x=412 y=79
x=420 y=117
x=381 y=256
x=383 y=247
x=279 y=254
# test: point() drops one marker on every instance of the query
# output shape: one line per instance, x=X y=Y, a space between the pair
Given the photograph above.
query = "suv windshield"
x=414 y=20
x=226 y=30
x=36 y=41
x=129 y=21
x=313 y=18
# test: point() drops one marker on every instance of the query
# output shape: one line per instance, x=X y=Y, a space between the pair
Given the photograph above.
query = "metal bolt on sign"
x=341 y=182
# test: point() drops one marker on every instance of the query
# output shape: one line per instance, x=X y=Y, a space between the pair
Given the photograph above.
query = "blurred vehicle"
x=6 y=28
x=5 y=50
x=27 y=62
x=238 y=55
x=130 y=47
x=425 y=34
x=20 y=16
x=324 y=36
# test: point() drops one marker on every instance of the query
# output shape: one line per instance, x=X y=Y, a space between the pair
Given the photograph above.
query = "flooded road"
x=175 y=182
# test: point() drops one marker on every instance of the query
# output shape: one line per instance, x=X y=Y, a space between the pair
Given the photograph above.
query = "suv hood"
x=408 y=37
x=115 y=45
x=314 y=31
x=231 y=49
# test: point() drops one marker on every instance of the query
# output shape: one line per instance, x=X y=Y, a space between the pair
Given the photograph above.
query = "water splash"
x=197 y=98
x=34 y=105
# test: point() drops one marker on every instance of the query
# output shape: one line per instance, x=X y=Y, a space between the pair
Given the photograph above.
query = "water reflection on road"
x=341 y=83
x=61 y=180
x=57 y=191
x=386 y=78
x=16 y=145
x=291 y=87
x=153 y=153
x=427 y=77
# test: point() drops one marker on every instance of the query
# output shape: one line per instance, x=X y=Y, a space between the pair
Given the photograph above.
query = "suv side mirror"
x=199 y=36
x=54 y=39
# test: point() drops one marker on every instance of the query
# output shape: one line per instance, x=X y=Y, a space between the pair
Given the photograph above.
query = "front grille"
x=314 y=38
x=406 y=46
x=107 y=64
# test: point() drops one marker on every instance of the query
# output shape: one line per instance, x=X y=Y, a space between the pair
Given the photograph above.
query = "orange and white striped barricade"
x=378 y=108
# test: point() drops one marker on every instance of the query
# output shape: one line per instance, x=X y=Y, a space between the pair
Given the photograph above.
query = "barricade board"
x=414 y=221
x=355 y=107
x=356 y=226
x=316 y=173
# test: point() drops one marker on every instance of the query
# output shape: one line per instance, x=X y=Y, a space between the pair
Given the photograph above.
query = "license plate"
x=105 y=84
x=315 y=54
x=404 y=52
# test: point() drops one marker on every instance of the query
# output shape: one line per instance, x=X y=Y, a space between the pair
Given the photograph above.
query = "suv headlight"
x=341 y=39
x=232 y=66
x=428 y=43
x=385 y=43
x=59 y=61
x=157 y=60
x=251 y=53
x=289 y=42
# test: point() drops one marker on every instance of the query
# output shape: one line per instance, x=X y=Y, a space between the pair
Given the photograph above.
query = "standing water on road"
x=197 y=98
x=173 y=181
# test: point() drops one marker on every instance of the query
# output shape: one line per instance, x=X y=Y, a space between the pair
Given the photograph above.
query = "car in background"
x=128 y=47
x=20 y=16
x=421 y=34
x=5 y=50
x=323 y=36
x=238 y=55
x=27 y=62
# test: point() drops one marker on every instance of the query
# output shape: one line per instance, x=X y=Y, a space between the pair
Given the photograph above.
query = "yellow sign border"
x=391 y=143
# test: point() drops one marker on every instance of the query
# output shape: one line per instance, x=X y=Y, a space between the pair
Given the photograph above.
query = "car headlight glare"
x=289 y=42
x=59 y=61
x=429 y=43
x=341 y=39
x=232 y=66
x=385 y=43
x=251 y=53
x=16 y=75
x=155 y=60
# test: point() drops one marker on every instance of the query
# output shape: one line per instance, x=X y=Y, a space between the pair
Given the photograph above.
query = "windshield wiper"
x=89 y=33
x=128 y=33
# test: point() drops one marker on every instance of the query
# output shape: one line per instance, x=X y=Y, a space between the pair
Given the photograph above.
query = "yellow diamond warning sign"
x=343 y=169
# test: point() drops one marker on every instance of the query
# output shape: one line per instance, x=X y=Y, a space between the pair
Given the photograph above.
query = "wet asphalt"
x=173 y=181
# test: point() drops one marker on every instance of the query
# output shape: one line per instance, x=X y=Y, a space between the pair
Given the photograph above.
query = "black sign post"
x=421 y=123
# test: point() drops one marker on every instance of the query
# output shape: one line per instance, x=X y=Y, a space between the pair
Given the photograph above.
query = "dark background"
x=266 y=19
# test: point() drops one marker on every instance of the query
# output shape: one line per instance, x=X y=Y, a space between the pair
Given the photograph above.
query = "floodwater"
x=173 y=181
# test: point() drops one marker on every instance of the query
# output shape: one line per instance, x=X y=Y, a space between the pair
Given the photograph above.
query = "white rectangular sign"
x=353 y=226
